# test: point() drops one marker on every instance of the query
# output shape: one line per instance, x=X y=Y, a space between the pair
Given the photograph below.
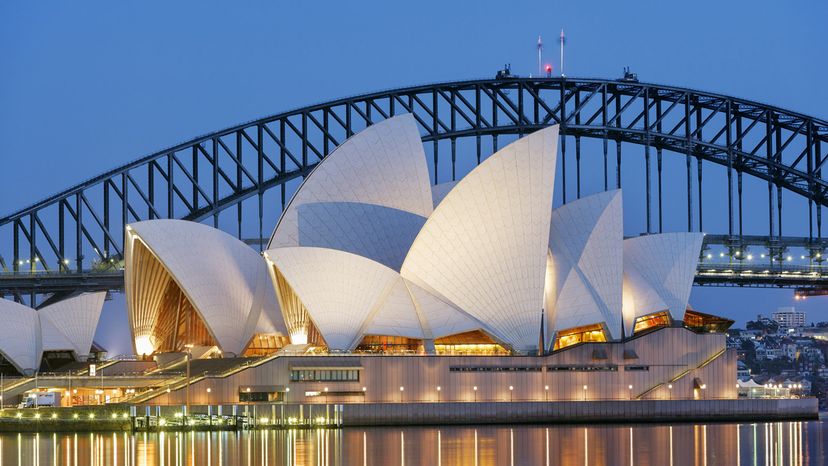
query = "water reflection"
x=794 y=443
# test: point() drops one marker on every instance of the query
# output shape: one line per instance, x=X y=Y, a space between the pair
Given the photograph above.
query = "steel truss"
x=80 y=230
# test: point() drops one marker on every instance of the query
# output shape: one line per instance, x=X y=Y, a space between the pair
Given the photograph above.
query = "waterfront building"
x=378 y=287
x=789 y=317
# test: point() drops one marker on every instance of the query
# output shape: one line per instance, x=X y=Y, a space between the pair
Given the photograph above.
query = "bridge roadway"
x=726 y=261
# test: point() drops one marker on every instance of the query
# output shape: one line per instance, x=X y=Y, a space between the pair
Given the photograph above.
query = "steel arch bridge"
x=242 y=176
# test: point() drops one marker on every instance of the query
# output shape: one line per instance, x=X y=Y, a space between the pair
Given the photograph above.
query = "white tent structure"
x=181 y=273
x=585 y=244
x=67 y=325
x=368 y=249
x=658 y=273
x=70 y=324
x=378 y=174
x=350 y=297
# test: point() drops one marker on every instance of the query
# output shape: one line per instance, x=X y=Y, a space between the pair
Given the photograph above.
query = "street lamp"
x=630 y=388
x=189 y=347
x=546 y=392
x=670 y=390
x=402 y=389
x=438 y=393
x=326 y=395
x=475 y=393
x=208 y=395
x=585 y=389
x=511 y=389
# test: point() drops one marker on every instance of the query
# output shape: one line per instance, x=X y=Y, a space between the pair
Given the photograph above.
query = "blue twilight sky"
x=86 y=86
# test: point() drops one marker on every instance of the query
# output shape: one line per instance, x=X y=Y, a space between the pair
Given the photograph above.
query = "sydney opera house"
x=378 y=286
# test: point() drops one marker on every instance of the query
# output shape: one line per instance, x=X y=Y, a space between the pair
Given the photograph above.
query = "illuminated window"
x=586 y=334
x=474 y=343
x=707 y=323
x=324 y=375
x=383 y=344
x=652 y=321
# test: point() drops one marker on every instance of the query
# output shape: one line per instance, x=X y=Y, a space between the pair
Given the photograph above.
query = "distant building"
x=788 y=317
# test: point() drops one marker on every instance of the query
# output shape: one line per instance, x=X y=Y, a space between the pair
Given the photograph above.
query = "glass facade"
x=324 y=375
x=585 y=334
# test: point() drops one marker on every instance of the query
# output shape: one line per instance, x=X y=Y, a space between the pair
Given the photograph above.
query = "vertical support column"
x=78 y=233
x=453 y=139
x=215 y=182
x=435 y=142
x=16 y=246
x=106 y=216
x=648 y=197
x=520 y=109
x=283 y=155
x=818 y=156
x=810 y=148
x=32 y=245
x=659 y=168
x=477 y=121
x=195 y=177
x=562 y=132
x=729 y=138
x=699 y=163
x=151 y=189
x=124 y=204
x=63 y=266
x=239 y=163
x=170 y=187
x=769 y=155
x=604 y=132
x=494 y=122
x=735 y=110
x=689 y=143
x=260 y=179
x=617 y=139
x=778 y=145
x=577 y=147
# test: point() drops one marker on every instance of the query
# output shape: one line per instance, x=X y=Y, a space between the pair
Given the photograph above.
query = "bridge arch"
x=247 y=171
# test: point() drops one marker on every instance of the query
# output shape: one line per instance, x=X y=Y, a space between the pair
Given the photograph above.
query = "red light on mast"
x=548 y=70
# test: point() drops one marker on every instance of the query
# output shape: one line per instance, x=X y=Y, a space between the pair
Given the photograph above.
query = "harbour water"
x=780 y=443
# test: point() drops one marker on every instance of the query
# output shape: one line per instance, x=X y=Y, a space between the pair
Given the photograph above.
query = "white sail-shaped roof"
x=73 y=320
x=20 y=341
x=440 y=318
x=349 y=297
x=378 y=174
x=341 y=291
x=659 y=271
x=225 y=280
x=586 y=245
x=484 y=247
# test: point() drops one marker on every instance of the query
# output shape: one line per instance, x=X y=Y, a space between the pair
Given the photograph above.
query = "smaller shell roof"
x=70 y=324
x=20 y=336
x=226 y=281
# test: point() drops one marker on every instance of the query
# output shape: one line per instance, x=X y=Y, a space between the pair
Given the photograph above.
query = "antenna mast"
x=562 y=40
x=540 y=56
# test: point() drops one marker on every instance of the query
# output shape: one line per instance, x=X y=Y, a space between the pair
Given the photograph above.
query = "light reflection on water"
x=784 y=443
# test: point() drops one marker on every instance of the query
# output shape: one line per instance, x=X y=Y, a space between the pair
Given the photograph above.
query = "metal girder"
x=213 y=175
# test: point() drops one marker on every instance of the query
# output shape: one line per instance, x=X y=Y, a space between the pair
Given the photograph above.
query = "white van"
x=41 y=400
